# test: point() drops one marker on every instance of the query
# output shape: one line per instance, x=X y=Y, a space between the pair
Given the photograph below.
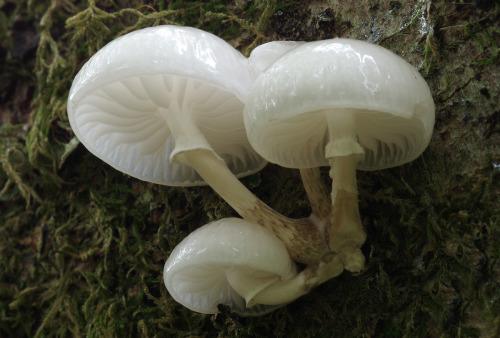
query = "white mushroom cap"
x=286 y=111
x=227 y=262
x=264 y=55
x=118 y=100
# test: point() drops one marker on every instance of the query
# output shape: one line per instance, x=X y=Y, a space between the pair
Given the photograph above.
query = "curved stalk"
x=281 y=292
x=303 y=238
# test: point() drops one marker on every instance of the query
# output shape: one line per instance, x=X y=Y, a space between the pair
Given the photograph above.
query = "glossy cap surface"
x=285 y=113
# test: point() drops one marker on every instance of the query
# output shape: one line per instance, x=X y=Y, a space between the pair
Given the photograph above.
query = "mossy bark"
x=82 y=246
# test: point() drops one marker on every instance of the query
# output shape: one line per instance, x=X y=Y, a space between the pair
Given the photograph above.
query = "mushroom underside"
x=387 y=140
x=125 y=124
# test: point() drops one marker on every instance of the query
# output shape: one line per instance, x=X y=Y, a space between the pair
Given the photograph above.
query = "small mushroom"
x=240 y=264
x=347 y=104
x=165 y=105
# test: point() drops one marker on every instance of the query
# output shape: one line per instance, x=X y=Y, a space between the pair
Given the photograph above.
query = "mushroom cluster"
x=179 y=106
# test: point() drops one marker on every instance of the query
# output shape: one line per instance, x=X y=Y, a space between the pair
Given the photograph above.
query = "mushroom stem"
x=303 y=238
x=281 y=292
x=346 y=233
x=316 y=192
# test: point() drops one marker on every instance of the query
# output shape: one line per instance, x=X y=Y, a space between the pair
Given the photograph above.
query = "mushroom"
x=165 y=105
x=240 y=264
x=344 y=103
x=148 y=97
